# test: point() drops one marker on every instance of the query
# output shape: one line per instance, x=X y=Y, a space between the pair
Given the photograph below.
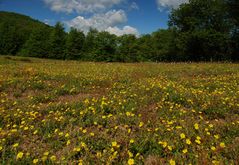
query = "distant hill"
x=16 y=27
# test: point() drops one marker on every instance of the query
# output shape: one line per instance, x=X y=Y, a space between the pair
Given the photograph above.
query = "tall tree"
x=37 y=45
x=203 y=29
x=105 y=46
x=57 y=42
x=90 y=44
x=74 y=44
x=233 y=10
x=127 y=48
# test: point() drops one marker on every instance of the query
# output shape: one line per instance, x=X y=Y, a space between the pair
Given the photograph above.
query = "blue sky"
x=116 y=16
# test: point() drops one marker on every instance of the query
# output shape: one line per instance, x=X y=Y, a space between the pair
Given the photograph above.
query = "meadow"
x=72 y=112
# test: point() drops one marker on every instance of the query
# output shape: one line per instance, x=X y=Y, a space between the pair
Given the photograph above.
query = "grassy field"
x=111 y=113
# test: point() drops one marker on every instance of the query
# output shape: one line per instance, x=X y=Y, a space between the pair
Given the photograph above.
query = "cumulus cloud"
x=81 y=6
x=170 y=3
x=125 y=30
x=103 y=22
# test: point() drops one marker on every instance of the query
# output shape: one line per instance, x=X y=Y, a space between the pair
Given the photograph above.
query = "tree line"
x=201 y=30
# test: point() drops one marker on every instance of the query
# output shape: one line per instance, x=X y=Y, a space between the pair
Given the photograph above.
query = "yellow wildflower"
x=35 y=161
x=141 y=124
x=213 y=148
x=222 y=145
x=196 y=126
x=15 y=145
x=172 y=162
x=130 y=161
x=182 y=135
x=114 y=144
x=19 y=155
x=53 y=158
x=188 y=141
x=185 y=150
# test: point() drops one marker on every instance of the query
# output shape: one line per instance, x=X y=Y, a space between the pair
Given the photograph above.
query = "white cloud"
x=134 y=6
x=81 y=6
x=170 y=3
x=125 y=30
x=103 y=22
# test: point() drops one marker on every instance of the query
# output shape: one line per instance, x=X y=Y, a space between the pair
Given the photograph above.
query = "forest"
x=198 y=31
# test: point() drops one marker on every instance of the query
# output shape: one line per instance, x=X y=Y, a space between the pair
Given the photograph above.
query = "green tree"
x=105 y=47
x=127 y=48
x=74 y=44
x=203 y=30
x=11 y=40
x=90 y=45
x=37 y=44
x=233 y=10
x=57 y=42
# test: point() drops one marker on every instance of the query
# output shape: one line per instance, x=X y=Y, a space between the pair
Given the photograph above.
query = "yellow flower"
x=215 y=162
x=130 y=161
x=0 y=148
x=68 y=142
x=130 y=154
x=67 y=135
x=92 y=134
x=15 y=145
x=188 y=141
x=114 y=144
x=170 y=148
x=222 y=145
x=46 y=153
x=19 y=155
x=35 y=161
x=213 y=148
x=185 y=150
x=198 y=141
x=141 y=124
x=182 y=135
x=77 y=149
x=53 y=158
x=196 y=126
x=131 y=141
x=172 y=162
x=216 y=136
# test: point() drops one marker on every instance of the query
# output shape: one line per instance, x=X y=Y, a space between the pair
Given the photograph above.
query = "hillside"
x=16 y=27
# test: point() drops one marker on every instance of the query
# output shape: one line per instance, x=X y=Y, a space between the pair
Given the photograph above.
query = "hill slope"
x=15 y=30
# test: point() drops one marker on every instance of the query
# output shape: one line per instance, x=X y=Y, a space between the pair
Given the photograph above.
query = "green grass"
x=99 y=113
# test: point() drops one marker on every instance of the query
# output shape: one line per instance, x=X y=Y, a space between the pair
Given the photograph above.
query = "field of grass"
x=111 y=113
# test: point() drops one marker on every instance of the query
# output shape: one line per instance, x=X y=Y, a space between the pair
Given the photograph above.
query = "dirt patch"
x=149 y=113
